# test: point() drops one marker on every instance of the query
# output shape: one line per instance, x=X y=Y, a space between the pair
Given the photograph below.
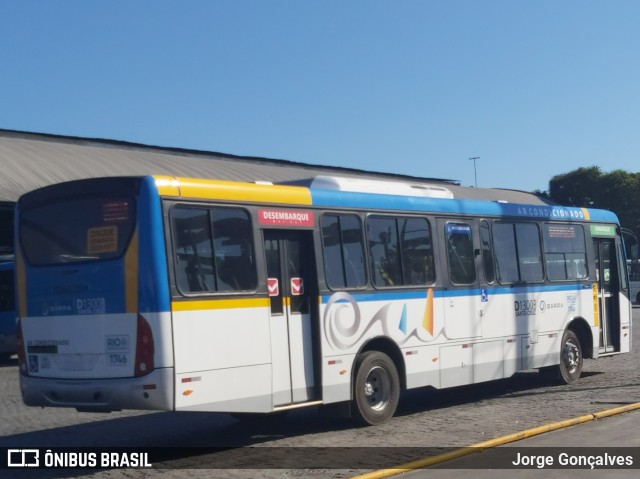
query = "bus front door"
x=292 y=289
x=608 y=279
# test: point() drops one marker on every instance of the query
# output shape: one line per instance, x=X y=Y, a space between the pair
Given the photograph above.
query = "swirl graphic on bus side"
x=343 y=320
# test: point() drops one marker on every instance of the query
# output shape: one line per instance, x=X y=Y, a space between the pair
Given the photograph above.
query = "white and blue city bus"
x=172 y=293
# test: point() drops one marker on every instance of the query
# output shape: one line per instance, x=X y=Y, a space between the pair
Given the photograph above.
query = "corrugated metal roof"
x=32 y=160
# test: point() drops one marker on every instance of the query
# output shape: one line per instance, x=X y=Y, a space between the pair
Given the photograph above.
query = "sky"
x=417 y=87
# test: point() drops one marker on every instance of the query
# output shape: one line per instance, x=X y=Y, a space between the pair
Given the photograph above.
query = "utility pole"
x=475 y=171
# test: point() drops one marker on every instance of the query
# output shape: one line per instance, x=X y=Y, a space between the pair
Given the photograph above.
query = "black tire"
x=571 y=358
x=376 y=389
x=570 y=367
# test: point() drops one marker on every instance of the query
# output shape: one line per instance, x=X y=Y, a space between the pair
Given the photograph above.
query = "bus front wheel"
x=376 y=388
x=570 y=366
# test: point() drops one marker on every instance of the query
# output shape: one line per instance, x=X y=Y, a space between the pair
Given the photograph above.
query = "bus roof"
x=33 y=160
x=327 y=193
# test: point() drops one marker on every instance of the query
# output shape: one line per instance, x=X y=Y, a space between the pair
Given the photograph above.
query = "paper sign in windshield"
x=102 y=239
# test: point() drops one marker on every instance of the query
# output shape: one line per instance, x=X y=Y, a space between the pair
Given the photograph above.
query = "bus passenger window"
x=462 y=269
x=193 y=250
x=518 y=252
x=382 y=234
x=213 y=249
x=401 y=251
x=529 y=252
x=565 y=251
x=232 y=244
x=343 y=251
x=417 y=251
x=504 y=247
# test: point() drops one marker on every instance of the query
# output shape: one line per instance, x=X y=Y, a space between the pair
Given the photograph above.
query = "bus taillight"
x=144 y=348
x=22 y=357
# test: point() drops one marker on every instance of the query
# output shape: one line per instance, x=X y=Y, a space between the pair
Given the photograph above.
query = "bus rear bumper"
x=153 y=391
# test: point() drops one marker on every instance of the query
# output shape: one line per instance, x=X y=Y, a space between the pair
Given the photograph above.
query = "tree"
x=617 y=191
x=576 y=188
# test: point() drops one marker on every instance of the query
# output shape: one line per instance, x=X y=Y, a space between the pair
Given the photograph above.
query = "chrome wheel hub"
x=377 y=388
x=571 y=356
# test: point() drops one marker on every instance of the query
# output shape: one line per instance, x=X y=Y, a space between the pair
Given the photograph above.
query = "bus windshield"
x=77 y=230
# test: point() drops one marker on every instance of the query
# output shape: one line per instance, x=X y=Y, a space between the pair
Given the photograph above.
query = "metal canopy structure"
x=32 y=160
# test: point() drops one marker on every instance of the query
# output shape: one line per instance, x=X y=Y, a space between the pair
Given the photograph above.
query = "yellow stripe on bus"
x=201 y=305
x=21 y=284
x=131 y=275
x=586 y=214
x=232 y=191
x=596 y=305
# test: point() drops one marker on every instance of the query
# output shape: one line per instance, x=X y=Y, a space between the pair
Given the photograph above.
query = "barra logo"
x=23 y=458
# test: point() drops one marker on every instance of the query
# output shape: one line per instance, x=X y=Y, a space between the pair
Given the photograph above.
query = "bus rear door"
x=292 y=289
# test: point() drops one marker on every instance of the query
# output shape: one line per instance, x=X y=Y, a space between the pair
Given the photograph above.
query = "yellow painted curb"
x=478 y=447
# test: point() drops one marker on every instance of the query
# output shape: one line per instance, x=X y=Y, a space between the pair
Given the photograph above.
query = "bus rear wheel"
x=376 y=389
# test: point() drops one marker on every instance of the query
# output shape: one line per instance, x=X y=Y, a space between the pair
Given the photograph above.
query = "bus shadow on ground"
x=8 y=362
x=165 y=429
x=526 y=384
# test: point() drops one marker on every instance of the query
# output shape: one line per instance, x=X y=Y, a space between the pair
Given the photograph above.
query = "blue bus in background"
x=8 y=315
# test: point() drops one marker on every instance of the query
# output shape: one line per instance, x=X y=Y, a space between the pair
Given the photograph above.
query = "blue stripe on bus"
x=456 y=293
x=387 y=296
x=153 y=279
x=330 y=198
